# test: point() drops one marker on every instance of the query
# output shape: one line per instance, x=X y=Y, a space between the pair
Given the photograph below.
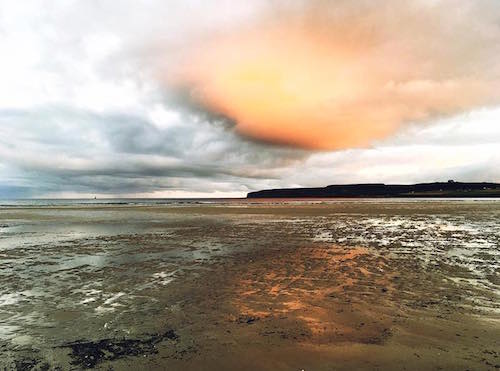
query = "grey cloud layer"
x=114 y=153
x=59 y=151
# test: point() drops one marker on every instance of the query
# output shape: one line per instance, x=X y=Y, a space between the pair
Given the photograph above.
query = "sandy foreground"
x=403 y=286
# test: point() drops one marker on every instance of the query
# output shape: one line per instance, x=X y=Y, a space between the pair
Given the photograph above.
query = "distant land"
x=437 y=189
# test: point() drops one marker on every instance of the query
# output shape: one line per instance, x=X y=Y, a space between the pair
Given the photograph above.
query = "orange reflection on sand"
x=321 y=293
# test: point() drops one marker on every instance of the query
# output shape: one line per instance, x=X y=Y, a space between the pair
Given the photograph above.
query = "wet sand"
x=272 y=286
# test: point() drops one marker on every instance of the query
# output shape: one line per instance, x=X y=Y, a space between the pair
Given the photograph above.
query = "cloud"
x=60 y=149
x=131 y=100
x=73 y=153
x=334 y=75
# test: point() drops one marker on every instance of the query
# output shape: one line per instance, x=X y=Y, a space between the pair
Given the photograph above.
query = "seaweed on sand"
x=87 y=354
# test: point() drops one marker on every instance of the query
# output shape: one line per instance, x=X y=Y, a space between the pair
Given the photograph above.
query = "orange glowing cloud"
x=332 y=79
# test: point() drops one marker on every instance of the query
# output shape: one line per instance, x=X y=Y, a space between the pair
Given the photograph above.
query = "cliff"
x=438 y=189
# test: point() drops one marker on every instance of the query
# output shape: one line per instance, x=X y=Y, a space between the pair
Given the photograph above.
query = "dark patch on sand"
x=247 y=319
x=88 y=354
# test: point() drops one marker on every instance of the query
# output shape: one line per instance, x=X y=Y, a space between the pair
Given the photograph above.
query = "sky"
x=215 y=99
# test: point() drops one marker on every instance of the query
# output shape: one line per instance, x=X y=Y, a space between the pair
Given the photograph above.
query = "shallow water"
x=73 y=272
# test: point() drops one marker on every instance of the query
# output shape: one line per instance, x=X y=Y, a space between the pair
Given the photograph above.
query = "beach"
x=376 y=284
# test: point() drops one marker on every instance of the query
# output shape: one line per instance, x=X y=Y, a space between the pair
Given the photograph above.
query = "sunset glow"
x=317 y=83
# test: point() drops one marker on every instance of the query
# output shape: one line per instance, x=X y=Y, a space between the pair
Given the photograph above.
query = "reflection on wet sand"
x=315 y=292
x=320 y=306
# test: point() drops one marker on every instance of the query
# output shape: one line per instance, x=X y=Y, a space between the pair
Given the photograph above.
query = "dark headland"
x=437 y=189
